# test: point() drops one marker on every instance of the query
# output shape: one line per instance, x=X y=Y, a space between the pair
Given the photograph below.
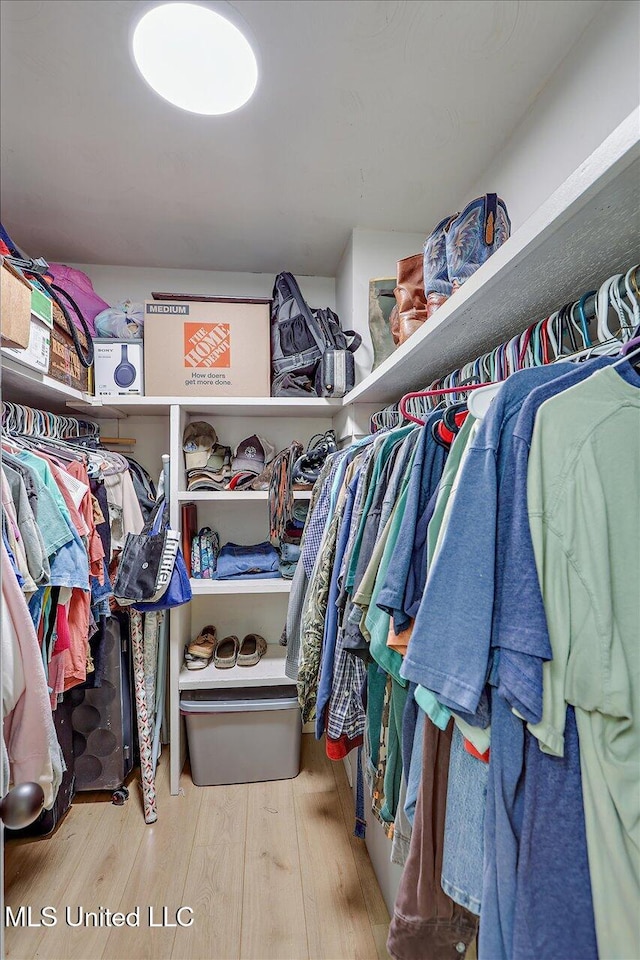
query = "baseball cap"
x=198 y=442
x=252 y=455
x=240 y=480
x=215 y=474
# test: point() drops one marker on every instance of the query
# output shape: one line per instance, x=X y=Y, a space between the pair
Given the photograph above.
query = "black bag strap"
x=159 y=508
x=37 y=268
x=355 y=343
x=54 y=290
x=286 y=288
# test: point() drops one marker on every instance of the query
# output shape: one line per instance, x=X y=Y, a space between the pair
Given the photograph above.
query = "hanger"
x=583 y=317
x=441 y=391
x=553 y=339
x=630 y=349
x=18 y=418
x=603 y=303
x=566 y=328
x=633 y=294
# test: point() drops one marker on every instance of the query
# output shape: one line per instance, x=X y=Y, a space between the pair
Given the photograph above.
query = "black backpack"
x=310 y=353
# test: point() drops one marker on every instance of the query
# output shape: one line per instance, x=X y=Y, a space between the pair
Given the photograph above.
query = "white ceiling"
x=373 y=113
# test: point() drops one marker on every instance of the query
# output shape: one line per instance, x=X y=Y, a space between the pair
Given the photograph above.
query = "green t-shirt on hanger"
x=583 y=490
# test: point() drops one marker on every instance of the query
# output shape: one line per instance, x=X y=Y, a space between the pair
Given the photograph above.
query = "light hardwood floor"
x=270 y=870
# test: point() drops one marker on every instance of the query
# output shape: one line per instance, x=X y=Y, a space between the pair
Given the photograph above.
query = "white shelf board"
x=268 y=672
x=586 y=231
x=261 y=406
x=218 y=588
x=232 y=496
x=21 y=384
x=118 y=407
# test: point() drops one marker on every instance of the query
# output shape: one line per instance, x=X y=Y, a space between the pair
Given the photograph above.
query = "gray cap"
x=252 y=455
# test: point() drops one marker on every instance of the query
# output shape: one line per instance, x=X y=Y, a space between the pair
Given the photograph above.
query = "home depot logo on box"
x=207 y=344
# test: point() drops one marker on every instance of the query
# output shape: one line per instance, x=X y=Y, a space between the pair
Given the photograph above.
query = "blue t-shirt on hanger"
x=450 y=649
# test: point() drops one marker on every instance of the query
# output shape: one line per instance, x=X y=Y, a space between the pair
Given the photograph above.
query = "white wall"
x=344 y=293
x=369 y=254
x=115 y=283
x=595 y=87
x=591 y=92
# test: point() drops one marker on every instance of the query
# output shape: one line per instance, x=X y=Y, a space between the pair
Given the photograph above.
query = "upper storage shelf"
x=586 y=231
x=24 y=385
x=118 y=407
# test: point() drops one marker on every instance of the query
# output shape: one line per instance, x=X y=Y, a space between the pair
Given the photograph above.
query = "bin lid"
x=239 y=700
x=217 y=694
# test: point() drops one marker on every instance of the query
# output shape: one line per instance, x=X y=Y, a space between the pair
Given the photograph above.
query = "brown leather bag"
x=412 y=305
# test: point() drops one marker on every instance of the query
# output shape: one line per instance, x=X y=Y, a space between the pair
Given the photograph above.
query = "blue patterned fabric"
x=467 y=248
x=314 y=530
x=436 y=274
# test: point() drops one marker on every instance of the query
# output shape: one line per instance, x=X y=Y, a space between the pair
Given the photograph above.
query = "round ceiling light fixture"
x=195 y=58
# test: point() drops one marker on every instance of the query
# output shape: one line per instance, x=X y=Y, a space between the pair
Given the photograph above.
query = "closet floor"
x=270 y=870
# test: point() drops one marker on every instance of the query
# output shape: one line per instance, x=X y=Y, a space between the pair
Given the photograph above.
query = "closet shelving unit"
x=587 y=230
x=239 y=606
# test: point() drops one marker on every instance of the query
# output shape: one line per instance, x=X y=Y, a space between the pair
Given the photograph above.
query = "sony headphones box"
x=118 y=367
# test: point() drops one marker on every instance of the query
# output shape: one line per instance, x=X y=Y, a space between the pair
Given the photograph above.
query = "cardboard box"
x=37 y=353
x=41 y=303
x=64 y=363
x=118 y=367
x=218 y=348
x=15 y=307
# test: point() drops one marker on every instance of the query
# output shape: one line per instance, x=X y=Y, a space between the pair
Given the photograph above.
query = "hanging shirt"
x=553 y=920
x=319 y=514
x=520 y=626
x=326 y=682
x=37 y=559
x=449 y=652
x=384 y=447
x=585 y=525
x=390 y=478
x=53 y=527
x=428 y=465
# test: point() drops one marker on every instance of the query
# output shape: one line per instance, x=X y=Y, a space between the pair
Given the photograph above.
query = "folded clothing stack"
x=212 y=466
x=289 y=556
x=293 y=530
x=290 y=545
x=257 y=562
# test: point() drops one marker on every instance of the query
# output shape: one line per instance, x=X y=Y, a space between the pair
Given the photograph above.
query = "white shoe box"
x=119 y=367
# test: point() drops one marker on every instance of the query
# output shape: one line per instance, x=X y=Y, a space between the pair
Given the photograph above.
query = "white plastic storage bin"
x=242 y=735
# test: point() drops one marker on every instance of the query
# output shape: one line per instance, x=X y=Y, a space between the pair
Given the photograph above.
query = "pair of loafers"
x=226 y=652
x=230 y=652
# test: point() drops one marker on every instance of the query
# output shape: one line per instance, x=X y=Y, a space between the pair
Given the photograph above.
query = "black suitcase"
x=49 y=819
x=103 y=719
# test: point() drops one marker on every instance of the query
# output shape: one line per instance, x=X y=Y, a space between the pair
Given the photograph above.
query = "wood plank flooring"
x=270 y=870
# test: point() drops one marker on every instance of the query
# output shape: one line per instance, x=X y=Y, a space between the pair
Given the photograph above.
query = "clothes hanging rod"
x=588 y=307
